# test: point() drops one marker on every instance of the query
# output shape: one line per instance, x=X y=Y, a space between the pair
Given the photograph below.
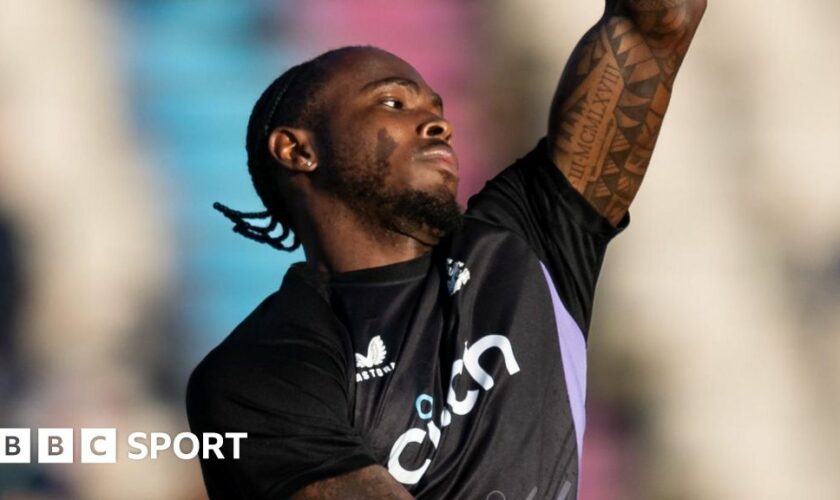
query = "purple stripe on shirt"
x=573 y=353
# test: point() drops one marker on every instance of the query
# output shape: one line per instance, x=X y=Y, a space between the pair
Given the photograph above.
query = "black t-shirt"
x=463 y=372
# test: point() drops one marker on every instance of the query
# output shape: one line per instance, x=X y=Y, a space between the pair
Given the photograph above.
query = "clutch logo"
x=370 y=364
x=99 y=445
x=459 y=275
x=425 y=403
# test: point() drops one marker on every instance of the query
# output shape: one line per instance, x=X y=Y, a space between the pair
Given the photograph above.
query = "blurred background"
x=715 y=347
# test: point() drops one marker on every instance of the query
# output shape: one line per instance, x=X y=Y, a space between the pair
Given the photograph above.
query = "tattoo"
x=369 y=482
x=612 y=99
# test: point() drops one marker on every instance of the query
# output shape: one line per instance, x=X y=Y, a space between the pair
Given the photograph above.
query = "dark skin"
x=398 y=133
x=612 y=98
x=604 y=122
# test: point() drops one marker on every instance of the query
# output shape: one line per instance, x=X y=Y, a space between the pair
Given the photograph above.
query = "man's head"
x=360 y=126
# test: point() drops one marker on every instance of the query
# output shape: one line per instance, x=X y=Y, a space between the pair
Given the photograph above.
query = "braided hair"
x=291 y=100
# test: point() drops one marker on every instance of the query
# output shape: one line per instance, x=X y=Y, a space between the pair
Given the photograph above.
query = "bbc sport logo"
x=100 y=445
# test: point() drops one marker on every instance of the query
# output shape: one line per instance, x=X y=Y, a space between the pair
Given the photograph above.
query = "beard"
x=360 y=180
x=414 y=210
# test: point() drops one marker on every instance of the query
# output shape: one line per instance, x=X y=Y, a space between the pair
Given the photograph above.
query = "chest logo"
x=459 y=275
x=373 y=364
x=470 y=369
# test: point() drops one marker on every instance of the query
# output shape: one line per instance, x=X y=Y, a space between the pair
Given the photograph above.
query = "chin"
x=444 y=189
x=435 y=209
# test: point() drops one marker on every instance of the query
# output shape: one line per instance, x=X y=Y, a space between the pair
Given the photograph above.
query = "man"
x=418 y=351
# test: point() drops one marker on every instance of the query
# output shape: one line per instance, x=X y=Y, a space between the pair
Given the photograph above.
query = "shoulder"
x=238 y=370
x=484 y=234
x=288 y=343
x=484 y=249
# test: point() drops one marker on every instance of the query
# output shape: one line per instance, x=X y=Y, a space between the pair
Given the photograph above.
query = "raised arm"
x=612 y=98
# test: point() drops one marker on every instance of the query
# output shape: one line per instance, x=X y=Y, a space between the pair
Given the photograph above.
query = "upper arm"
x=370 y=482
x=613 y=95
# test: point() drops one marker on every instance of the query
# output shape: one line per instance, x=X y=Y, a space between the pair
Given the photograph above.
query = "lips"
x=439 y=154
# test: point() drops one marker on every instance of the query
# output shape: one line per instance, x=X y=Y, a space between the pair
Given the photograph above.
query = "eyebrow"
x=403 y=82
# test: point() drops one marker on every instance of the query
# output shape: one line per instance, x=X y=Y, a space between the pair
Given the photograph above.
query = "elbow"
x=662 y=19
x=696 y=9
x=694 y=14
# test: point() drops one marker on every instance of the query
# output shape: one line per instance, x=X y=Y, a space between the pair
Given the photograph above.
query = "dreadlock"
x=290 y=100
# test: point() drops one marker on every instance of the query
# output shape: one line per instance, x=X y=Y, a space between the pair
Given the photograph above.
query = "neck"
x=339 y=239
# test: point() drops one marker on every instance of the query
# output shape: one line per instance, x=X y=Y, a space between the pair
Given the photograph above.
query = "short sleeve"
x=290 y=395
x=533 y=199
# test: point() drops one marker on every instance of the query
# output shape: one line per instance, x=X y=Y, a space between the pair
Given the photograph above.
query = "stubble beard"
x=360 y=181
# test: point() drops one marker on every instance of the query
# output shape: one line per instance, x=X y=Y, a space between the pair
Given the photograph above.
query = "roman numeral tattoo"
x=613 y=96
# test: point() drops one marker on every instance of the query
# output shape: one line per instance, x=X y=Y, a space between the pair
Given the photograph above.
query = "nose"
x=436 y=128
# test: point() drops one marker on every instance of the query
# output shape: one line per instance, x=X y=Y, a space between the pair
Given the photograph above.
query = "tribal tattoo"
x=613 y=95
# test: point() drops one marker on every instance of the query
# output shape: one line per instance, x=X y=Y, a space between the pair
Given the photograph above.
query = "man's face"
x=384 y=145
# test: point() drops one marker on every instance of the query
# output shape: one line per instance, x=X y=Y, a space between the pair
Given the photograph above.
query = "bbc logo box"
x=55 y=445
x=14 y=446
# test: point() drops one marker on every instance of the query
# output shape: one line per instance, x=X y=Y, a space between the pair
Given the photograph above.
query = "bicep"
x=370 y=482
x=612 y=98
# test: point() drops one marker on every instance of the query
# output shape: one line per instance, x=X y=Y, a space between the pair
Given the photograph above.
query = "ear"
x=292 y=148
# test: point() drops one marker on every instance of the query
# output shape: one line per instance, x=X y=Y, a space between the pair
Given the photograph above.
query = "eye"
x=392 y=103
